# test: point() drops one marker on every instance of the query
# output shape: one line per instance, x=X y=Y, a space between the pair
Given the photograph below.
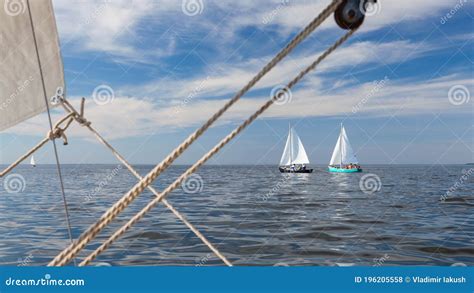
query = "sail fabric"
x=300 y=154
x=286 y=156
x=348 y=155
x=336 y=154
x=21 y=86
x=294 y=152
x=343 y=153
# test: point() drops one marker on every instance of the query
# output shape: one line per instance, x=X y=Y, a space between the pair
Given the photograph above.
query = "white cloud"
x=114 y=27
x=297 y=14
x=117 y=27
x=128 y=117
x=227 y=82
x=110 y=26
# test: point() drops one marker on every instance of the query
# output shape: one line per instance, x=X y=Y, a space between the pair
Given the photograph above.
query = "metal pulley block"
x=350 y=14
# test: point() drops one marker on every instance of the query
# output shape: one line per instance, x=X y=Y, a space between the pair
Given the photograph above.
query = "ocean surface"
x=385 y=216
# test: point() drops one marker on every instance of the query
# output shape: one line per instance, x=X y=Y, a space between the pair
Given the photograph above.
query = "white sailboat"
x=343 y=159
x=32 y=161
x=294 y=158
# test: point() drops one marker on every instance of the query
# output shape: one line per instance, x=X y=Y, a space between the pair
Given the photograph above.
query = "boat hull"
x=339 y=170
x=285 y=170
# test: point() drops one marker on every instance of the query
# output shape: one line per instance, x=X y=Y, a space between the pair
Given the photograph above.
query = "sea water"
x=386 y=215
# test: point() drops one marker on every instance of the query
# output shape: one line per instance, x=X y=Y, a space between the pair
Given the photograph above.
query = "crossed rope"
x=86 y=237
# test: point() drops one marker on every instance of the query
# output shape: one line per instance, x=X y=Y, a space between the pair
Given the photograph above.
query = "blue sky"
x=402 y=85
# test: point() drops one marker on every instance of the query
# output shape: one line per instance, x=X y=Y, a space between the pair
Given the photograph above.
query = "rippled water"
x=254 y=215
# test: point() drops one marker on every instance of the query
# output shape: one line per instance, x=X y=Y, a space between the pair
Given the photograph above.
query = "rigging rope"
x=82 y=121
x=52 y=133
x=142 y=184
x=57 y=132
x=65 y=256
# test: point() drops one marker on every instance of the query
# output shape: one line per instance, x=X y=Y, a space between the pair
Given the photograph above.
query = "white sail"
x=300 y=157
x=336 y=154
x=294 y=152
x=343 y=153
x=286 y=156
x=32 y=161
x=21 y=83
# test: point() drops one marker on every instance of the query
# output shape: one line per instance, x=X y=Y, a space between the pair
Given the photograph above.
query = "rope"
x=52 y=134
x=143 y=183
x=81 y=120
x=58 y=132
x=165 y=202
x=120 y=205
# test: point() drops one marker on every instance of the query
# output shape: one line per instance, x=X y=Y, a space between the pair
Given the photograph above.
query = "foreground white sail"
x=21 y=83
x=343 y=158
x=294 y=158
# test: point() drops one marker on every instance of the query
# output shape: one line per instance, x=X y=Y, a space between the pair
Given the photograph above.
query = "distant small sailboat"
x=343 y=159
x=32 y=161
x=294 y=158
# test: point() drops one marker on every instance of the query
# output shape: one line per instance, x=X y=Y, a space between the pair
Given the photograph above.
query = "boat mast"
x=340 y=145
x=291 y=144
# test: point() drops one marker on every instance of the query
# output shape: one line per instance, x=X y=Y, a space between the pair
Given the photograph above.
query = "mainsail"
x=343 y=153
x=32 y=161
x=294 y=152
x=22 y=61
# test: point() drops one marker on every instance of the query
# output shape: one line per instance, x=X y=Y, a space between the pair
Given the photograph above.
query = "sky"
x=153 y=71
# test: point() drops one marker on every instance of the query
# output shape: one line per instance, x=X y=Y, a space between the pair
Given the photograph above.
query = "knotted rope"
x=56 y=132
x=67 y=254
x=80 y=118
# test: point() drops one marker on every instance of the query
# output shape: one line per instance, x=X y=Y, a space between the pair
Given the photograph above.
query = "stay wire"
x=58 y=164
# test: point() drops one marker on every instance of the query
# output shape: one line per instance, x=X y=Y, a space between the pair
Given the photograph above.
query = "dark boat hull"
x=285 y=170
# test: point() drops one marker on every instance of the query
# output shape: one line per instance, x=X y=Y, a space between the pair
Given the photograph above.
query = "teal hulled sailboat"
x=343 y=159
